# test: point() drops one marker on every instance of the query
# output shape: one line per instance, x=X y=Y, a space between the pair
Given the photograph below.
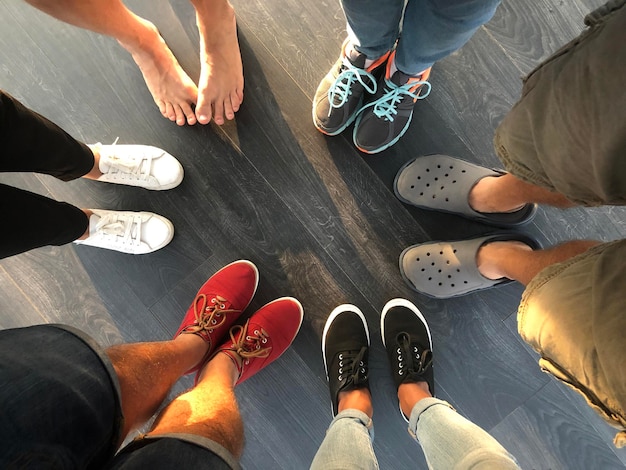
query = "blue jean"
x=448 y=440
x=428 y=31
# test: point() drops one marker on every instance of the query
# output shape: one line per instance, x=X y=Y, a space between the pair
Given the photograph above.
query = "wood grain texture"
x=318 y=218
x=555 y=435
x=59 y=290
x=15 y=304
x=529 y=32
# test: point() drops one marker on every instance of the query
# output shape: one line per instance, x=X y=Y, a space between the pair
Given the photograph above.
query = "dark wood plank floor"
x=318 y=219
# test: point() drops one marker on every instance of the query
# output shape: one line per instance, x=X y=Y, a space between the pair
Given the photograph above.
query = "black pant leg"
x=30 y=142
x=31 y=221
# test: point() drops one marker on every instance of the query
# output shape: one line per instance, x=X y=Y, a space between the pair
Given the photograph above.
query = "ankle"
x=410 y=393
x=143 y=40
x=88 y=214
x=357 y=399
x=95 y=172
x=214 y=14
x=222 y=365
x=192 y=348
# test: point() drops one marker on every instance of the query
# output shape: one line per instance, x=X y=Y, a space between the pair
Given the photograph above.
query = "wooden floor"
x=319 y=219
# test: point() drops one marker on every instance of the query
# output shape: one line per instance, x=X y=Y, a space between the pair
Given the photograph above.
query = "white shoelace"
x=128 y=228
x=136 y=166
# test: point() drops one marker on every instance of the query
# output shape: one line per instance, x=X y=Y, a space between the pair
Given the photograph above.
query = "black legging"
x=31 y=143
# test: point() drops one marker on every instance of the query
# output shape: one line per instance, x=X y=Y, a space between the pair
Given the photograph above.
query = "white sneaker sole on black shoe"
x=411 y=356
x=402 y=303
x=354 y=349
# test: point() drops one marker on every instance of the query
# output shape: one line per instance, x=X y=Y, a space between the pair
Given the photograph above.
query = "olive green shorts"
x=567 y=133
x=574 y=315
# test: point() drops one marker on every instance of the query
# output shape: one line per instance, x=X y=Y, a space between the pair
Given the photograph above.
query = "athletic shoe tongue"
x=356 y=58
x=400 y=78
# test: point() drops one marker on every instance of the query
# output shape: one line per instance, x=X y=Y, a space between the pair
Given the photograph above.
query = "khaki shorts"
x=574 y=315
x=567 y=133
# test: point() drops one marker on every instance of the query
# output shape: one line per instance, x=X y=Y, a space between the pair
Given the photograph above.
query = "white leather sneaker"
x=138 y=165
x=135 y=233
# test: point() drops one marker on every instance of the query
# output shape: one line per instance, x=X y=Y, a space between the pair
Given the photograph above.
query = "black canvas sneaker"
x=345 y=346
x=407 y=339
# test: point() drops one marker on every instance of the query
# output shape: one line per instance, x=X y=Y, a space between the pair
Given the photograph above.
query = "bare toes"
x=218 y=114
x=170 y=113
x=203 y=114
x=181 y=120
x=228 y=109
x=162 y=108
x=237 y=100
x=189 y=114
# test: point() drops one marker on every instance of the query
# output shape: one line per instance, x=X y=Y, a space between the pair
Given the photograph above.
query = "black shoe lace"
x=412 y=364
x=352 y=369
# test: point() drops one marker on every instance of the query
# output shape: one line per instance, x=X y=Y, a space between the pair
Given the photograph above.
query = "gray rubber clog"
x=443 y=183
x=448 y=269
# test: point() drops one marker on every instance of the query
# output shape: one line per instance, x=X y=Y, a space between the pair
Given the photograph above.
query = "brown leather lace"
x=248 y=345
x=209 y=314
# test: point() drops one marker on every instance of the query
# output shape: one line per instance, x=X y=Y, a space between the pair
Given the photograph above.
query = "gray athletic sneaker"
x=382 y=122
x=339 y=95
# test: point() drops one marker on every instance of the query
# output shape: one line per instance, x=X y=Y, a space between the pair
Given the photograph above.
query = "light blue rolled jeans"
x=431 y=29
x=448 y=440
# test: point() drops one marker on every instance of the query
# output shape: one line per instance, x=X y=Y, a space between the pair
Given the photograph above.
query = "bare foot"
x=172 y=89
x=220 y=88
x=491 y=194
x=489 y=257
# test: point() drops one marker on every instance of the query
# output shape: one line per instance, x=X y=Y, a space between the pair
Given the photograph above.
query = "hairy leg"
x=518 y=261
x=220 y=89
x=209 y=409
x=172 y=89
x=147 y=371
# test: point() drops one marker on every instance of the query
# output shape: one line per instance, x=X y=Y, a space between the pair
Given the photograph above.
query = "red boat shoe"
x=264 y=337
x=218 y=304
